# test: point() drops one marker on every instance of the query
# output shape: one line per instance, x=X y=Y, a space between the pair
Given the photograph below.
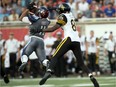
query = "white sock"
x=45 y=62
x=24 y=58
x=89 y=74
x=49 y=70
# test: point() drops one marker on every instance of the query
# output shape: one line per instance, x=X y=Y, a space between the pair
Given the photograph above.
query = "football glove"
x=31 y=6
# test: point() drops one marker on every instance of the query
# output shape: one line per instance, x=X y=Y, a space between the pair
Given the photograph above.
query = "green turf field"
x=61 y=82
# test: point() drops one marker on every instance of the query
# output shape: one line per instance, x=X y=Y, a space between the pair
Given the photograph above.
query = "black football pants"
x=63 y=47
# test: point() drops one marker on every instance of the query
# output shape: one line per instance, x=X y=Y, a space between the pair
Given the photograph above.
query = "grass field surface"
x=61 y=82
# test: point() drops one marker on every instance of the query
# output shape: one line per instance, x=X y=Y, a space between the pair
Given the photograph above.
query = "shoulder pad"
x=62 y=20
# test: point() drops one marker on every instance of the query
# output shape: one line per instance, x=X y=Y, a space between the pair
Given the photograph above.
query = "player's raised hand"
x=31 y=6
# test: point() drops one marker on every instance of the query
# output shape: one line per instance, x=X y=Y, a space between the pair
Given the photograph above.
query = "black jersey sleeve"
x=62 y=20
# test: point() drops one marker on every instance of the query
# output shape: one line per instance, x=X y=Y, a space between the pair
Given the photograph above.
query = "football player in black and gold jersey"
x=71 y=41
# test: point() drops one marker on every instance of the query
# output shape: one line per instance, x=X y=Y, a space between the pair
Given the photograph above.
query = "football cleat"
x=44 y=79
x=23 y=65
x=6 y=79
x=94 y=81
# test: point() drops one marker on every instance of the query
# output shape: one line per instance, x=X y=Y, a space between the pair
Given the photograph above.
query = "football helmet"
x=42 y=12
x=63 y=8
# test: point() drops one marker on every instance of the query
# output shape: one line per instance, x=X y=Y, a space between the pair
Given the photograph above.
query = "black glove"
x=31 y=6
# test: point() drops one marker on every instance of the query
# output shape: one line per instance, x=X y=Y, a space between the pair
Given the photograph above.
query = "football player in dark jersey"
x=39 y=21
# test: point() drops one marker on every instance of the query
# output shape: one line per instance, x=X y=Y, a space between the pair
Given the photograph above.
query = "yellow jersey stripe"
x=59 y=46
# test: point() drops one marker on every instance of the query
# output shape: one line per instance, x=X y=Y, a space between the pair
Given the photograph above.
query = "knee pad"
x=24 y=58
x=45 y=62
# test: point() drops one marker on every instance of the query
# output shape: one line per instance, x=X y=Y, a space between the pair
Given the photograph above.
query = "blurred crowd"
x=10 y=10
x=11 y=49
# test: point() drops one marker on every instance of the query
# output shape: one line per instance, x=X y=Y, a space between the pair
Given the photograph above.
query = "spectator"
x=91 y=51
x=89 y=1
x=2 y=43
x=80 y=16
x=109 y=47
x=94 y=15
x=19 y=7
x=99 y=13
x=72 y=5
x=97 y=58
x=13 y=16
x=4 y=13
x=23 y=3
x=107 y=2
x=94 y=5
x=109 y=11
x=115 y=2
x=40 y=3
x=14 y=4
x=101 y=3
x=88 y=13
x=9 y=8
x=77 y=1
x=5 y=18
x=105 y=36
x=11 y=50
x=83 y=45
x=83 y=6
x=1 y=7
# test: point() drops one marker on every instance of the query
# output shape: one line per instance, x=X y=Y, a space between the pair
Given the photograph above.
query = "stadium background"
x=85 y=25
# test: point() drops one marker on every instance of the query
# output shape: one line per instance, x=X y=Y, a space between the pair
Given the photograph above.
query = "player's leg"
x=27 y=50
x=90 y=61
x=75 y=47
x=61 y=49
x=40 y=52
x=93 y=63
x=13 y=64
x=6 y=77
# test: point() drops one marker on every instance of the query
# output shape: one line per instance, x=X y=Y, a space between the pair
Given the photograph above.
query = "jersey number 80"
x=73 y=25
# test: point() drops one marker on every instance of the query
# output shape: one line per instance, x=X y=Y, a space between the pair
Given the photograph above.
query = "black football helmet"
x=42 y=12
x=63 y=8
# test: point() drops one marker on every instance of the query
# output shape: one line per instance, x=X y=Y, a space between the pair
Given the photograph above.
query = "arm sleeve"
x=62 y=20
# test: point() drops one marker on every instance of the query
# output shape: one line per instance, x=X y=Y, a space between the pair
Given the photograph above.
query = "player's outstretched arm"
x=23 y=14
x=29 y=8
x=51 y=29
